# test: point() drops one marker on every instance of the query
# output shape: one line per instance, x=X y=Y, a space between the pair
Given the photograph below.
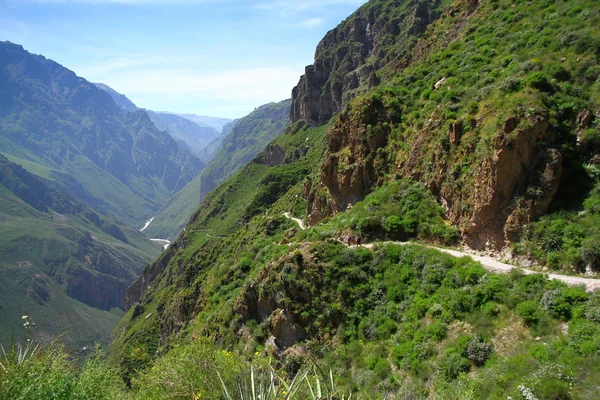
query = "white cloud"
x=303 y=5
x=312 y=22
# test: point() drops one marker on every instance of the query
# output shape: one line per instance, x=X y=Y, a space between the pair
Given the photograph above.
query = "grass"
x=250 y=135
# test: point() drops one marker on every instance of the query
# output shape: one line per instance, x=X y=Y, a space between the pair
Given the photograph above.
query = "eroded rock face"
x=97 y=290
x=261 y=302
x=348 y=59
x=512 y=186
x=351 y=168
x=272 y=156
x=501 y=201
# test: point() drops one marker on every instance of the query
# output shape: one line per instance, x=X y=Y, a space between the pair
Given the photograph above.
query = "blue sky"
x=210 y=57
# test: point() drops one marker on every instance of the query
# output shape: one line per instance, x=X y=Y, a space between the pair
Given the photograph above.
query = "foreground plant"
x=269 y=385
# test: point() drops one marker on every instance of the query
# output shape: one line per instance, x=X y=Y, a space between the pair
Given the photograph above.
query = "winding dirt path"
x=297 y=220
x=488 y=263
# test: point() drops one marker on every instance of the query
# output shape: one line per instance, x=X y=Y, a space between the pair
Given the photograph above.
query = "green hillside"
x=62 y=264
x=483 y=116
x=246 y=139
x=421 y=124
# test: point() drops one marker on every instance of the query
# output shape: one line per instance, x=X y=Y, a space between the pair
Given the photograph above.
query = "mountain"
x=119 y=99
x=245 y=139
x=68 y=131
x=196 y=137
x=464 y=123
x=211 y=149
x=61 y=263
x=216 y=123
x=188 y=134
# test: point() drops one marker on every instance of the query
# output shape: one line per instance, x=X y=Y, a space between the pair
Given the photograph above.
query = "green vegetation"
x=249 y=136
x=175 y=214
x=566 y=240
x=244 y=291
x=399 y=321
x=395 y=321
x=397 y=211
x=35 y=371
x=53 y=252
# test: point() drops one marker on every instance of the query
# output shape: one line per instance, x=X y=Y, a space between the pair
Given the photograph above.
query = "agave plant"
x=269 y=385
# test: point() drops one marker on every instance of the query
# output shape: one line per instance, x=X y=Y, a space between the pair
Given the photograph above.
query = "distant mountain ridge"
x=74 y=135
x=191 y=131
x=202 y=120
x=244 y=139
x=120 y=99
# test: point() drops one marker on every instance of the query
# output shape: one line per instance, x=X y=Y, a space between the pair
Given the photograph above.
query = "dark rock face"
x=272 y=156
x=349 y=58
x=97 y=290
x=352 y=166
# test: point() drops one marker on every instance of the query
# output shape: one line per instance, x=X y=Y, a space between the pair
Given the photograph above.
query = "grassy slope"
x=175 y=214
x=249 y=136
x=38 y=249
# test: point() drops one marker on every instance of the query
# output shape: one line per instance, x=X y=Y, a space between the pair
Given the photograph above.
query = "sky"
x=221 y=58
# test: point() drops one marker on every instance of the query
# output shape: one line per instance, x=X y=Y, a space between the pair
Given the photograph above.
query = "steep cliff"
x=365 y=49
x=62 y=263
x=73 y=133
x=489 y=140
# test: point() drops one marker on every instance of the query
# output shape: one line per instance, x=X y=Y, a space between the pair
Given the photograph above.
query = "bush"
x=538 y=80
x=529 y=311
x=590 y=252
x=99 y=381
x=478 y=351
x=392 y=225
x=452 y=364
x=592 y=308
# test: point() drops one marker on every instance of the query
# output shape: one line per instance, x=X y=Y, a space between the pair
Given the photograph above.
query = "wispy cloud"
x=312 y=22
x=125 y=2
x=303 y=5
x=119 y=64
x=231 y=93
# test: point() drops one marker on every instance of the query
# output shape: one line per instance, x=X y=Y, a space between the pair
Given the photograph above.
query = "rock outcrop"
x=349 y=58
x=350 y=170
x=511 y=186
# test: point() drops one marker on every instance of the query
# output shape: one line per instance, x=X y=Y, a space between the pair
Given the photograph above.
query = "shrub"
x=592 y=308
x=529 y=311
x=478 y=351
x=98 y=381
x=590 y=252
x=452 y=364
x=392 y=224
x=538 y=80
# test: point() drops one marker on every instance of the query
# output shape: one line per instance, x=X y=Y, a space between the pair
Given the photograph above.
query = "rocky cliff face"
x=352 y=165
x=511 y=185
x=350 y=58
x=490 y=186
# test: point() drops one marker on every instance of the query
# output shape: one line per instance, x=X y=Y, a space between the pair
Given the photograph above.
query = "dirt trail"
x=496 y=266
x=297 y=220
x=489 y=263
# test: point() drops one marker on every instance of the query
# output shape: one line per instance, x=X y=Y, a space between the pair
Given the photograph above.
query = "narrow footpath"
x=488 y=263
